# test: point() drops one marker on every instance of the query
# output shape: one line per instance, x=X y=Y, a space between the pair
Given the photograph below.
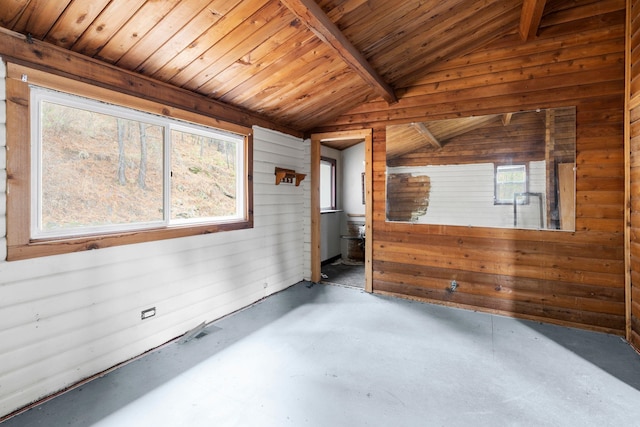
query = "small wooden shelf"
x=289 y=176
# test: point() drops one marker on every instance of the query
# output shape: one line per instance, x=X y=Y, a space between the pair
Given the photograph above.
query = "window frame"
x=334 y=204
x=20 y=245
x=497 y=201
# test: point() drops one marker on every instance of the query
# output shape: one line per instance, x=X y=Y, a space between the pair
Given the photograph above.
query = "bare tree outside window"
x=104 y=167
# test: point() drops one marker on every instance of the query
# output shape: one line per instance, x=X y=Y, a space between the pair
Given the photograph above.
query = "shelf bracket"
x=289 y=176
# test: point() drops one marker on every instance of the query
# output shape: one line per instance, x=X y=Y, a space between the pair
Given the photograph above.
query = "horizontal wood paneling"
x=68 y=317
x=574 y=278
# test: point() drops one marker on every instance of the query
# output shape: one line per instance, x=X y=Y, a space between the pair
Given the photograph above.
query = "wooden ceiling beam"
x=530 y=18
x=319 y=23
x=426 y=134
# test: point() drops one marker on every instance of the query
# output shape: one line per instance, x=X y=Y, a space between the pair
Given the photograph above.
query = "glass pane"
x=98 y=170
x=204 y=179
x=509 y=181
x=507 y=174
x=326 y=185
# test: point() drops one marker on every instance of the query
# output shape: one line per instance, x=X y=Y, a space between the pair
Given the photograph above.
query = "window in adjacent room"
x=327 y=184
x=510 y=184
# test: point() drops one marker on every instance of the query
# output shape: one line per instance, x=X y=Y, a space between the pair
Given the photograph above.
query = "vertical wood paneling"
x=10 y=13
x=572 y=278
x=104 y=26
x=163 y=31
x=65 y=318
x=306 y=185
x=74 y=21
x=135 y=29
x=40 y=16
x=633 y=117
x=3 y=163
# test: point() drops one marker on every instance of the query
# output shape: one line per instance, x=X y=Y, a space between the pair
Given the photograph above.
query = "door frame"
x=316 y=141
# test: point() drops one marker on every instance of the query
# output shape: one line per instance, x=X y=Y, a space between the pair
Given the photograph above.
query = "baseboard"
x=331 y=260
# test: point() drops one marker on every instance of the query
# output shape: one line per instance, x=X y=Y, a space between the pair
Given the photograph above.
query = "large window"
x=100 y=168
x=99 y=174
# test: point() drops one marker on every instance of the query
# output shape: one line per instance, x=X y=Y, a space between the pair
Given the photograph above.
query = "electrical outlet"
x=150 y=312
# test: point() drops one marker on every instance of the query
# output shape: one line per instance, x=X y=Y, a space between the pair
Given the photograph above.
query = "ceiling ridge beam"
x=530 y=18
x=319 y=23
x=422 y=129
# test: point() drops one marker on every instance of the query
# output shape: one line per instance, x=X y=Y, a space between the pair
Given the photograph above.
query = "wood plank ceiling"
x=406 y=138
x=299 y=63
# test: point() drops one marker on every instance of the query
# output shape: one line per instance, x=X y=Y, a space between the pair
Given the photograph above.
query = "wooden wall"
x=634 y=172
x=68 y=317
x=572 y=278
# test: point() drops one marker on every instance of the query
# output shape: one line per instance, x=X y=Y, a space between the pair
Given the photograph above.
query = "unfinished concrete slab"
x=321 y=355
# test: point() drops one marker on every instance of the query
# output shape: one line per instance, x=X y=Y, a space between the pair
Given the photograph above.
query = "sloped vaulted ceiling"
x=284 y=60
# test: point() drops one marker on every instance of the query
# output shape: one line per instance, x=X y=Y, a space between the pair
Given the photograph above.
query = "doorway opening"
x=341 y=207
x=344 y=273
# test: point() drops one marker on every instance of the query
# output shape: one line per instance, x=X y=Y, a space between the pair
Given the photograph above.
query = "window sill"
x=39 y=248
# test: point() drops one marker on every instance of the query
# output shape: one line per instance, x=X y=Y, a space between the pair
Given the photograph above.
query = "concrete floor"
x=344 y=273
x=333 y=356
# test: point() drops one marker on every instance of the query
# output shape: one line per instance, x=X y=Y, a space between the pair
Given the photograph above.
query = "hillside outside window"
x=100 y=168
